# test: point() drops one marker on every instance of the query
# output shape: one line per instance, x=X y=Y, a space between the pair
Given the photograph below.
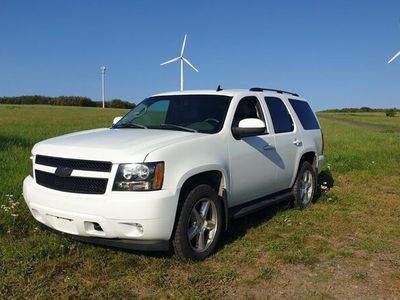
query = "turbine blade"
x=170 y=61
x=394 y=57
x=188 y=62
x=183 y=45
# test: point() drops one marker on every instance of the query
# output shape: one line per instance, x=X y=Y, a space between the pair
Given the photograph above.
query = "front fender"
x=202 y=169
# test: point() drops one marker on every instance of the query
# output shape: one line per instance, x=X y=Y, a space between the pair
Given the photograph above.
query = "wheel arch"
x=214 y=177
x=309 y=156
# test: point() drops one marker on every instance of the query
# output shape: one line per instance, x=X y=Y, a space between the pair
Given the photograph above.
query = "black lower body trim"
x=138 y=245
x=257 y=204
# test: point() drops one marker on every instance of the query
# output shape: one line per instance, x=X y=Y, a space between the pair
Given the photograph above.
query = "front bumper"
x=138 y=245
x=145 y=217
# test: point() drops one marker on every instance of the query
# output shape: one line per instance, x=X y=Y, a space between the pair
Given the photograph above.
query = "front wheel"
x=305 y=186
x=199 y=224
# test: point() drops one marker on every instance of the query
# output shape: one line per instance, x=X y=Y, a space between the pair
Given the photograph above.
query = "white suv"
x=177 y=168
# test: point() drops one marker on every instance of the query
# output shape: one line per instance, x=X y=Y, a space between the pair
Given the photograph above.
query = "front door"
x=253 y=159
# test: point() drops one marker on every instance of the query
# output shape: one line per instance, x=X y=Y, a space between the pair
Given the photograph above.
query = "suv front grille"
x=83 y=185
x=76 y=164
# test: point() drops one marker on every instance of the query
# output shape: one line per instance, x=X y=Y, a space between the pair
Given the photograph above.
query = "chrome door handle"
x=268 y=147
x=297 y=142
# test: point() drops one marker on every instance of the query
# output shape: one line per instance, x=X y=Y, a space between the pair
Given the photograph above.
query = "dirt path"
x=361 y=124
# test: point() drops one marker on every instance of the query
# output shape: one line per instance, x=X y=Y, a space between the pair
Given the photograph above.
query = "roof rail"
x=257 y=89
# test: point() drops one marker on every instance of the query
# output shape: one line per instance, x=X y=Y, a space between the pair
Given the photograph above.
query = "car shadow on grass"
x=238 y=228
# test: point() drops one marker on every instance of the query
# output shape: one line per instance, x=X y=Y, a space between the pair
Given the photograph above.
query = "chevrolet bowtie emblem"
x=64 y=171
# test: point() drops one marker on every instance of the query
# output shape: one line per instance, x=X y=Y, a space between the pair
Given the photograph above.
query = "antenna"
x=182 y=60
x=103 y=86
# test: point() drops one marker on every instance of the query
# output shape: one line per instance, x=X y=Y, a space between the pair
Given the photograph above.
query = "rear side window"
x=305 y=114
x=280 y=116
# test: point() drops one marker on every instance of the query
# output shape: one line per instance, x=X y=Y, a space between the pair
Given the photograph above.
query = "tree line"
x=390 y=112
x=66 y=101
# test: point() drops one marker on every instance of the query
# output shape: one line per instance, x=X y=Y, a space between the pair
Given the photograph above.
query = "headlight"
x=139 y=177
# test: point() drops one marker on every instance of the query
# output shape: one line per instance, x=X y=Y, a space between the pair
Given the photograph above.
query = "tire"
x=304 y=188
x=198 y=227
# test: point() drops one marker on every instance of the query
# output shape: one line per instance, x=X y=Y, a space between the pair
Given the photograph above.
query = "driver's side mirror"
x=249 y=127
x=116 y=120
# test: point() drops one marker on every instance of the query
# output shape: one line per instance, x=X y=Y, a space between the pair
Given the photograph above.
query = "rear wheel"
x=199 y=224
x=305 y=186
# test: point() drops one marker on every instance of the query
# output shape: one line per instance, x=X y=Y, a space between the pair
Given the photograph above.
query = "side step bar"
x=252 y=206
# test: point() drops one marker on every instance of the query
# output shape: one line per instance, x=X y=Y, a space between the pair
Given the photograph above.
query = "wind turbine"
x=182 y=59
x=394 y=57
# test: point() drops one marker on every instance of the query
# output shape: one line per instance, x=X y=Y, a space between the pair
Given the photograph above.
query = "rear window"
x=305 y=114
x=280 y=116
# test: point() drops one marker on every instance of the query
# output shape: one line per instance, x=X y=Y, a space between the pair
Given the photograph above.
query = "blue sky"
x=334 y=53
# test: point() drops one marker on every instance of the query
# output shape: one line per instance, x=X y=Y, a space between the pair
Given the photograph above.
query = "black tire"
x=304 y=195
x=187 y=222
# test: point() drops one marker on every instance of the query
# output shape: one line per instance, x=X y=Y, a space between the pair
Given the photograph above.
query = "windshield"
x=196 y=113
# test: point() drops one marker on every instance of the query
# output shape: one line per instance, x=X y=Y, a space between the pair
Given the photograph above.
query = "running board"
x=252 y=206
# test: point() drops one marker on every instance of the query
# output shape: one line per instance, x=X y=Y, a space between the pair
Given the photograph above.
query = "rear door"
x=287 y=141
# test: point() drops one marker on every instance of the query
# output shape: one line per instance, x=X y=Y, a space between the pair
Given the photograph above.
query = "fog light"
x=132 y=230
x=97 y=227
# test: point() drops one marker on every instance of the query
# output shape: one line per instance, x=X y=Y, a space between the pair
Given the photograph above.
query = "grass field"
x=371 y=118
x=346 y=245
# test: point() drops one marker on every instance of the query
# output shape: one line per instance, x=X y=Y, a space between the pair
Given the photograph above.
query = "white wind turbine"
x=394 y=57
x=182 y=59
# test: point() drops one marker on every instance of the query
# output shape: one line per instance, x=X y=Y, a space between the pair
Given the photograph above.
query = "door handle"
x=268 y=147
x=297 y=142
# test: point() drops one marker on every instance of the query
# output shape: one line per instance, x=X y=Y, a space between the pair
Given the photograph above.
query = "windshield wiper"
x=173 y=126
x=130 y=125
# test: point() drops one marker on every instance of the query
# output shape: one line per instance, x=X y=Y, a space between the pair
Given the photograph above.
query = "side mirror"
x=116 y=120
x=249 y=127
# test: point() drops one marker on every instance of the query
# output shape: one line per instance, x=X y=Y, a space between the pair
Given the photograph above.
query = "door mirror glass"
x=249 y=127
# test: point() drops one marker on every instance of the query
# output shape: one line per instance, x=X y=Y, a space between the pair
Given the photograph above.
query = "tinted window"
x=203 y=113
x=305 y=114
x=280 y=116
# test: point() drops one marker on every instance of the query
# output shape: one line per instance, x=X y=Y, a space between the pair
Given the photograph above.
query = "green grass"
x=372 y=118
x=349 y=237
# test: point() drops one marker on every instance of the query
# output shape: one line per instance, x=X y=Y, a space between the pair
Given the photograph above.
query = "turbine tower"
x=103 y=86
x=182 y=60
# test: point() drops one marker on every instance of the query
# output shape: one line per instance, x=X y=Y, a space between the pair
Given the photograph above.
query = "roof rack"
x=257 y=89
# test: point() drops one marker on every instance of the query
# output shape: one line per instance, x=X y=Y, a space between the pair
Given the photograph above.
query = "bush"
x=390 y=112
x=65 y=101
x=366 y=108
x=116 y=103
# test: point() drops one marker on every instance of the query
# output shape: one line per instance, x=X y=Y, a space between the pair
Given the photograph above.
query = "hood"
x=115 y=145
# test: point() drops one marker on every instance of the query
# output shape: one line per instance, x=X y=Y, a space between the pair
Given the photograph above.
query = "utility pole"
x=103 y=87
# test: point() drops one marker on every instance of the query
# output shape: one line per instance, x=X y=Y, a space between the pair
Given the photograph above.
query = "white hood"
x=115 y=145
